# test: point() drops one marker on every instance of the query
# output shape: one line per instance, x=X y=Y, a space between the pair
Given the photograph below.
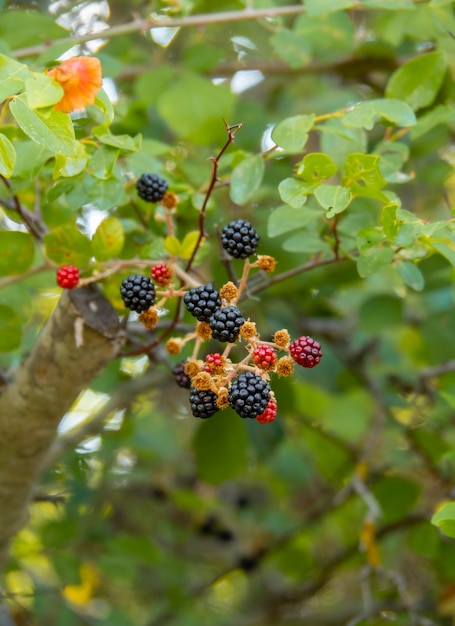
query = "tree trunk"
x=78 y=340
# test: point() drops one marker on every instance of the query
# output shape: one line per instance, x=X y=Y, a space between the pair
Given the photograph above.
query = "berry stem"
x=231 y=131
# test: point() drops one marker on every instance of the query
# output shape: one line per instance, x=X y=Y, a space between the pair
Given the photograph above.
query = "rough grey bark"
x=78 y=340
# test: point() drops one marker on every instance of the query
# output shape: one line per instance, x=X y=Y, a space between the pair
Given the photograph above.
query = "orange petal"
x=81 y=79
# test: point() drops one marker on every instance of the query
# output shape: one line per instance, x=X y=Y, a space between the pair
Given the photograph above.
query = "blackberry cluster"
x=202 y=302
x=138 y=292
x=181 y=378
x=249 y=395
x=226 y=324
x=203 y=402
x=239 y=239
x=151 y=188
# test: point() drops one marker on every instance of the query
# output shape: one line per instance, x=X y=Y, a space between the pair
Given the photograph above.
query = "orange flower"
x=81 y=80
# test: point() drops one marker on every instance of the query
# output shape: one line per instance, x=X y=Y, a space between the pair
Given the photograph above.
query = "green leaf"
x=188 y=244
x=103 y=106
x=51 y=129
x=291 y=47
x=366 y=114
x=291 y=134
x=411 y=275
x=42 y=91
x=446 y=249
x=418 y=81
x=123 y=142
x=316 y=167
x=333 y=198
x=375 y=261
x=17 y=252
x=103 y=161
x=7 y=157
x=367 y=238
x=194 y=108
x=172 y=245
x=444 y=519
x=393 y=155
x=20 y=28
x=67 y=245
x=362 y=175
x=221 y=448
x=246 y=178
x=12 y=77
x=315 y=7
x=285 y=219
x=293 y=192
x=390 y=222
x=10 y=329
x=108 y=240
x=393 y=5
x=442 y=114
x=396 y=496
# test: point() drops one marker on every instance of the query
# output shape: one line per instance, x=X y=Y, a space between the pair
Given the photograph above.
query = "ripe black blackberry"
x=138 y=292
x=239 y=239
x=151 y=188
x=249 y=395
x=203 y=402
x=202 y=302
x=226 y=324
x=181 y=378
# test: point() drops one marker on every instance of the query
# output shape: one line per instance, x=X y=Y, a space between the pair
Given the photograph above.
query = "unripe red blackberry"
x=151 y=188
x=264 y=356
x=269 y=413
x=306 y=351
x=162 y=274
x=226 y=324
x=203 y=402
x=68 y=277
x=202 y=302
x=239 y=239
x=213 y=362
x=249 y=395
x=138 y=292
x=181 y=377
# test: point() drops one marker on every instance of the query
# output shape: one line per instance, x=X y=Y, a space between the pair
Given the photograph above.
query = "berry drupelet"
x=306 y=351
x=68 y=277
x=138 y=292
x=151 y=188
x=203 y=403
x=226 y=324
x=202 y=302
x=239 y=239
x=249 y=395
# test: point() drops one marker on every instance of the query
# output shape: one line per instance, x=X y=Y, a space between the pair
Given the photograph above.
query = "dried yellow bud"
x=248 y=330
x=203 y=330
x=202 y=381
x=170 y=200
x=282 y=338
x=229 y=292
x=149 y=318
x=222 y=401
x=173 y=346
x=192 y=368
x=266 y=263
x=285 y=366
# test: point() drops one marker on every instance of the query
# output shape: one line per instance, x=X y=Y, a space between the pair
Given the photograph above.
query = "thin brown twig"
x=231 y=131
x=34 y=225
